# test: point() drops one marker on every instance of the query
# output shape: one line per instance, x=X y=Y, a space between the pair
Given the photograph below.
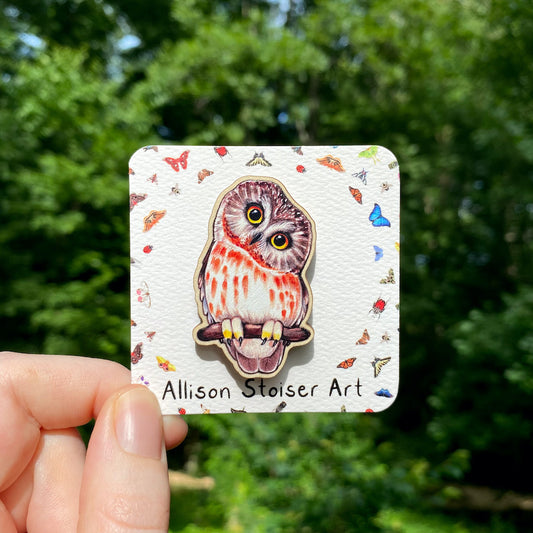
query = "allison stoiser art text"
x=181 y=389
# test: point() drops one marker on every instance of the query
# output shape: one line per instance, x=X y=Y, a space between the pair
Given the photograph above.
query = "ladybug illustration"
x=181 y=411
x=148 y=248
x=300 y=169
x=221 y=151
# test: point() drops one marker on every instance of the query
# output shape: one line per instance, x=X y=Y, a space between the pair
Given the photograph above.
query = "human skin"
x=48 y=481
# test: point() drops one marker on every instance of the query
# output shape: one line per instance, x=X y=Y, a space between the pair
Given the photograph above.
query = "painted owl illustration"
x=251 y=276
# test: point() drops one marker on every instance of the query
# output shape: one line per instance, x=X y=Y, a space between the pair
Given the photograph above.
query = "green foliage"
x=446 y=85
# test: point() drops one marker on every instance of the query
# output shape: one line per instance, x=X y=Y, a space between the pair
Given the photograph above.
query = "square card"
x=265 y=279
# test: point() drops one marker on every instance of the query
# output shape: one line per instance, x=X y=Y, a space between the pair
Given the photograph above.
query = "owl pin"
x=252 y=294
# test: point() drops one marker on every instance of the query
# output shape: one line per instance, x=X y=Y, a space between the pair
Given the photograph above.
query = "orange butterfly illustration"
x=347 y=363
x=153 y=218
x=203 y=174
x=331 y=162
x=357 y=194
x=365 y=338
x=175 y=162
x=167 y=366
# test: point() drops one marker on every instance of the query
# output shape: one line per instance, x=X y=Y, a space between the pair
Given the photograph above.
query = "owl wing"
x=201 y=286
x=305 y=303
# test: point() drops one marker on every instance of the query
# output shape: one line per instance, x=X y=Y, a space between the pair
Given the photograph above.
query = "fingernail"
x=138 y=423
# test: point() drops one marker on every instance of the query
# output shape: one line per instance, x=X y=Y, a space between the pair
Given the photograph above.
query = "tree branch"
x=252 y=331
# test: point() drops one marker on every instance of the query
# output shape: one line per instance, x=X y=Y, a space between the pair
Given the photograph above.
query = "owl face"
x=258 y=217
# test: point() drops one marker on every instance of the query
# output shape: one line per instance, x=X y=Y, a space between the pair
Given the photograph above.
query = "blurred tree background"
x=445 y=85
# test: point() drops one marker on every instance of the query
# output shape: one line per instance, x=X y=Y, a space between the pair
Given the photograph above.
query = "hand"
x=48 y=483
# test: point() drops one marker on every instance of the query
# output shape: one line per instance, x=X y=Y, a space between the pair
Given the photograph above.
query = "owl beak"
x=257 y=237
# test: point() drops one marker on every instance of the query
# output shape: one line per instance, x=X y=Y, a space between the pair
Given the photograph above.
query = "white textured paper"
x=354 y=278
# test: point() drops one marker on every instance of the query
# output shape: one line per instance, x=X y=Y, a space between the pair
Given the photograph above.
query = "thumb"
x=125 y=482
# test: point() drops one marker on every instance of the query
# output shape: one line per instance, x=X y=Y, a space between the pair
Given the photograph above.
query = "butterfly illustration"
x=152 y=179
x=297 y=149
x=389 y=278
x=347 y=363
x=378 y=307
x=174 y=190
x=237 y=410
x=378 y=364
x=143 y=380
x=331 y=162
x=176 y=162
x=221 y=151
x=280 y=407
x=137 y=354
x=164 y=364
x=150 y=335
x=357 y=194
x=377 y=219
x=397 y=246
x=205 y=410
x=343 y=408
x=258 y=159
x=135 y=199
x=361 y=175
x=131 y=172
x=379 y=253
x=133 y=323
x=150 y=147
x=364 y=338
x=383 y=392
x=370 y=153
x=143 y=295
x=393 y=164
x=152 y=219
x=203 y=174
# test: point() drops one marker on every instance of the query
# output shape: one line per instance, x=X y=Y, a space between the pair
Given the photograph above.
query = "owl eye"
x=280 y=241
x=254 y=214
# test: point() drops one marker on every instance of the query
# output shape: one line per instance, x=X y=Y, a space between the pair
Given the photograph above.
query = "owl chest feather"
x=236 y=285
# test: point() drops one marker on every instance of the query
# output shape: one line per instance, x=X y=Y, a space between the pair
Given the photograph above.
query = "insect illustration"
x=389 y=278
x=258 y=159
x=364 y=338
x=361 y=175
x=137 y=354
x=280 y=407
x=143 y=295
x=152 y=179
x=347 y=363
x=165 y=365
x=377 y=219
x=300 y=169
x=378 y=363
x=385 y=186
x=331 y=162
x=174 y=190
x=143 y=381
x=297 y=149
x=393 y=164
x=148 y=248
x=135 y=199
x=150 y=335
x=177 y=161
x=385 y=337
x=383 y=392
x=205 y=410
x=250 y=281
x=357 y=194
x=237 y=410
x=221 y=151
x=378 y=307
x=151 y=147
x=131 y=172
x=152 y=219
x=370 y=153
x=379 y=253
x=203 y=174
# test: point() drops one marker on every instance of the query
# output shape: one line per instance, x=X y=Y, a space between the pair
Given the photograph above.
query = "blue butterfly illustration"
x=379 y=253
x=383 y=392
x=377 y=218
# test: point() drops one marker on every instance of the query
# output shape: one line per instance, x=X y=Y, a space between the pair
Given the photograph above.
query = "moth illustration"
x=361 y=175
x=203 y=174
x=331 y=162
x=165 y=365
x=370 y=153
x=137 y=354
x=258 y=159
x=252 y=294
x=153 y=218
x=364 y=338
x=389 y=278
x=135 y=199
